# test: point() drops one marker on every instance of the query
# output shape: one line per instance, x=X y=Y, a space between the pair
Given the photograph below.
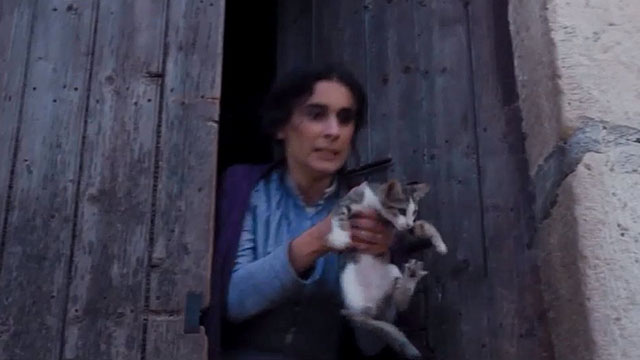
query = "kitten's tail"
x=393 y=336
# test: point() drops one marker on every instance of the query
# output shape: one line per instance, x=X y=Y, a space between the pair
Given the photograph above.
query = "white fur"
x=338 y=238
x=411 y=216
x=369 y=201
x=367 y=281
x=436 y=238
x=406 y=222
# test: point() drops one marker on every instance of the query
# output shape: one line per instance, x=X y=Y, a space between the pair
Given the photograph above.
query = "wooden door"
x=443 y=106
x=108 y=138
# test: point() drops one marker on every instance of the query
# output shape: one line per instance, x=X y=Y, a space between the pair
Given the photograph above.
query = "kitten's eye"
x=403 y=212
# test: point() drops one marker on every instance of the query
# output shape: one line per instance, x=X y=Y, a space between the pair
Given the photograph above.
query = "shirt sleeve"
x=260 y=284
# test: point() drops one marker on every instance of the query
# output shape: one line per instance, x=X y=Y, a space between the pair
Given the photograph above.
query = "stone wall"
x=578 y=71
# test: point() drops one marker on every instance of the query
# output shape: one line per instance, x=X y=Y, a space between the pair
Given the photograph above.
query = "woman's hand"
x=308 y=247
x=371 y=233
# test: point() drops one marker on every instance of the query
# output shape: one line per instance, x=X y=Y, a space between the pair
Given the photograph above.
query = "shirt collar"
x=330 y=190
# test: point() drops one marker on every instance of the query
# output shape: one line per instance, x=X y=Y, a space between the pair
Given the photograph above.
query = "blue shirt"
x=280 y=311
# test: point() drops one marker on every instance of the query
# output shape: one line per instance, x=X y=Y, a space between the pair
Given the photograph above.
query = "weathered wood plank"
x=186 y=185
x=457 y=294
x=34 y=275
x=170 y=343
x=340 y=37
x=518 y=327
x=295 y=34
x=16 y=17
x=408 y=123
x=339 y=33
x=108 y=288
x=181 y=260
x=378 y=28
x=422 y=115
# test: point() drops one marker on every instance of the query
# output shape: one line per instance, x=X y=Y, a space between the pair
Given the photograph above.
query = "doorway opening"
x=248 y=69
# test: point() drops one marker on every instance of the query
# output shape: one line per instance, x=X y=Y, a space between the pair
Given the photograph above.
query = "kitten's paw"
x=414 y=269
x=338 y=239
x=423 y=229
x=441 y=248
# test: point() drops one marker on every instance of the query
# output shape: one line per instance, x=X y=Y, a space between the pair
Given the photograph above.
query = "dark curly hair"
x=296 y=86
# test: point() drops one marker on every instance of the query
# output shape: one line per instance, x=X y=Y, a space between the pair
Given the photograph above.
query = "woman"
x=283 y=296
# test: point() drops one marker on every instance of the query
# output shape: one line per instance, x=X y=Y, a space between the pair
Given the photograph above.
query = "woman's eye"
x=316 y=114
x=346 y=116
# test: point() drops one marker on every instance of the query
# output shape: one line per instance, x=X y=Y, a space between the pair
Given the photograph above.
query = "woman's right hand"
x=311 y=245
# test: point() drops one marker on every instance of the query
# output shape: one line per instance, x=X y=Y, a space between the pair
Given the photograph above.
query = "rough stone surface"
x=593 y=136
x=598 y=49
x=575 y=59
x=590 y=259
x=578 y=72
x=537 y=77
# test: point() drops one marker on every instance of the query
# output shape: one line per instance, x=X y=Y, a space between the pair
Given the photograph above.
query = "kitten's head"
x=400 y=202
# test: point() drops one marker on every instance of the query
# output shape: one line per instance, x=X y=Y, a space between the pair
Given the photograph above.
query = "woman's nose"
x=332 y=127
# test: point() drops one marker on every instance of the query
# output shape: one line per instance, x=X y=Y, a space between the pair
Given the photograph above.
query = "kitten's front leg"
x=424 y=230
x=340 y=236
x=406 y=285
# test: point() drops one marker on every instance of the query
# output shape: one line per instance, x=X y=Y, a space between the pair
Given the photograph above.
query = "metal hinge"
x=192 y=306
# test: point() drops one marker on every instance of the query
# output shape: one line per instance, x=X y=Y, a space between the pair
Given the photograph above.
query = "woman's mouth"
x=327 y=153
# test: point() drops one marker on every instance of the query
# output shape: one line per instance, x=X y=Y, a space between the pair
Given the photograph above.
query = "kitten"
x=373 y=288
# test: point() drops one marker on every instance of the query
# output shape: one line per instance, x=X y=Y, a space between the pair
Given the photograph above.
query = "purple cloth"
x=232 y=199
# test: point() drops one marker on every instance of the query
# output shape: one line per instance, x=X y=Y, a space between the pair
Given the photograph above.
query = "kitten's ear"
x=392 y=190
x=417 y=191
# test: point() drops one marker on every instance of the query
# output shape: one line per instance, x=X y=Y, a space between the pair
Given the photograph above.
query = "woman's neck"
x=310 y=187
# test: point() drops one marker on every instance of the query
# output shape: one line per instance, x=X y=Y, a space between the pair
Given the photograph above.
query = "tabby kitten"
x=373 y=288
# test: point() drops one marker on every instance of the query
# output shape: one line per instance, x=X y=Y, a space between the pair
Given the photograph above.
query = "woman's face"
x=317 y=138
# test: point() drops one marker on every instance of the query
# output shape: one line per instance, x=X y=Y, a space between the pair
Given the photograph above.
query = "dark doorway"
x=249 y=66
x=442 y=106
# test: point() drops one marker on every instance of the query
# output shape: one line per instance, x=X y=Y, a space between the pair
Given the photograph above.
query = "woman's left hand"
x=371 y=233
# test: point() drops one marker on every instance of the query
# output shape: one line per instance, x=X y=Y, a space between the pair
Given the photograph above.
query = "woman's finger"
x=366 y=224
x=365 y=213
x=359 y=235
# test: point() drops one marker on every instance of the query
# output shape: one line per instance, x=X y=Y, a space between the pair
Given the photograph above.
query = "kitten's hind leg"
x=387 y=331
x=340 y=236
x=406 y=285
x=424 y=230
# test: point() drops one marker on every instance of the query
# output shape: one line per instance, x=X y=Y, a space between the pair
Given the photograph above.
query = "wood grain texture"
x=181 y=259
x=16 y=18
x=422 y=116
x=408 y=126
x=458 y=288
x=34 y=276
x=295 y=34
x=378 y=34
x=107 y=292
x=339 y=31
x=518 y=320
x=170 y=343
